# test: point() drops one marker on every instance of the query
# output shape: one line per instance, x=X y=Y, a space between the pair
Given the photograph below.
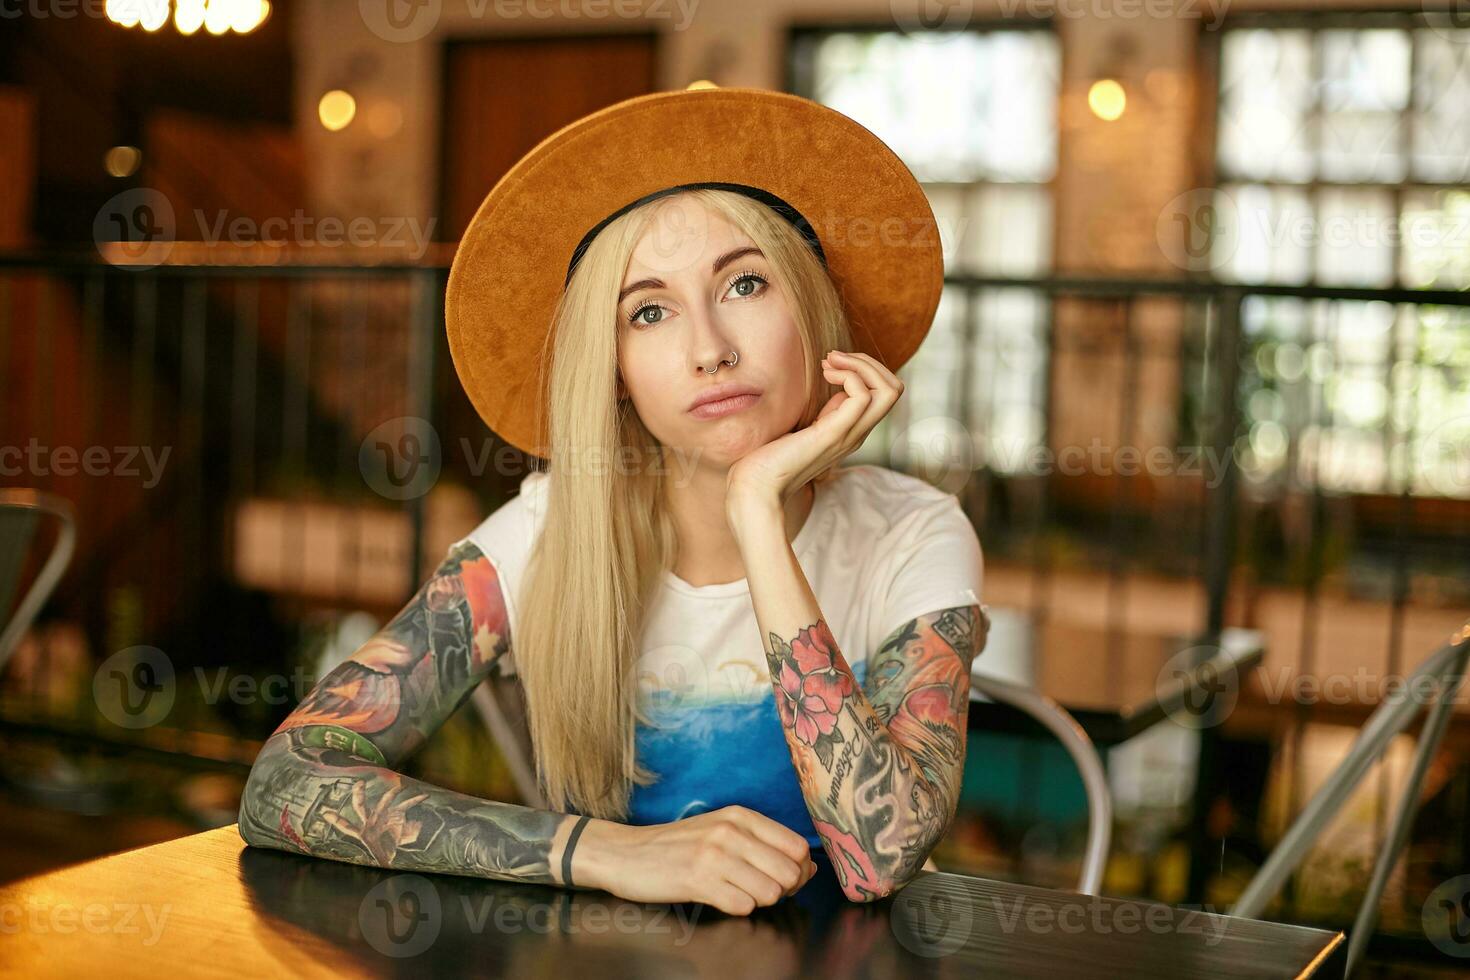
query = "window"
x=973 y=114
x=1343 y=159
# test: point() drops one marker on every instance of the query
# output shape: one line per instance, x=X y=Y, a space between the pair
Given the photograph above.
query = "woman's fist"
x=733 y=858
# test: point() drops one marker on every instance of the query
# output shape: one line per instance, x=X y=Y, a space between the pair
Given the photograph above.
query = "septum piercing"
x=732 y=360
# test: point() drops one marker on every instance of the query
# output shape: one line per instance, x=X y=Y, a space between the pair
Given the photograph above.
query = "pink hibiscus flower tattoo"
x=812 y=687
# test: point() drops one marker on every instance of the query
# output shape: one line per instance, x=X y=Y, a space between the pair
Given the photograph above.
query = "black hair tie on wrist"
x=566 y=854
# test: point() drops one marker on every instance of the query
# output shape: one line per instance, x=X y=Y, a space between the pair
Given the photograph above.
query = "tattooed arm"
x=324 y=783
x=879 y=765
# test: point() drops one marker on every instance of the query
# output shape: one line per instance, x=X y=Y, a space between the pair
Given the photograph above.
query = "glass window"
x=1343 y=159
x=973 y=114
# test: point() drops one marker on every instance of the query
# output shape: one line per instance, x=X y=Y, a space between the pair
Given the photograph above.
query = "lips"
x=722 y=392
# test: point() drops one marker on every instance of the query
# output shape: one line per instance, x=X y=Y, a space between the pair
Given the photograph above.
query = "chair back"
x=21 y=512
x=1446 y=667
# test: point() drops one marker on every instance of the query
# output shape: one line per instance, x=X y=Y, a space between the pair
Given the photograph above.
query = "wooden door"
x=502 y=96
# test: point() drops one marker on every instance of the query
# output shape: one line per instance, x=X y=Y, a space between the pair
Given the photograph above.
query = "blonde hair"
x=608 y=537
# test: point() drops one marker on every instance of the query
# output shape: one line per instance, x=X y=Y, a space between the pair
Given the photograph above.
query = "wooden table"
x=207 y=905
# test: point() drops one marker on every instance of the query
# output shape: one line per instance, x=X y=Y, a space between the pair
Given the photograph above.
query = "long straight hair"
x=608 y=536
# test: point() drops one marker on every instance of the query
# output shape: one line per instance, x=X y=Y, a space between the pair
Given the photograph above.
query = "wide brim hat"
x=855 y=201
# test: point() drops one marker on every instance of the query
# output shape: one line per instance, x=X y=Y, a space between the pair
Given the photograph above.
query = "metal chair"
x=1084 y=754
x=21 y=511
x=1447 y=666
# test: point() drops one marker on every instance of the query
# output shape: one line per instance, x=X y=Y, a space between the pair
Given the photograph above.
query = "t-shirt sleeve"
x=931 y=561
x=505 y=538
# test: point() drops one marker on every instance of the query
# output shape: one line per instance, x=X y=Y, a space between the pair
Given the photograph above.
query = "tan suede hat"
x=856 y=203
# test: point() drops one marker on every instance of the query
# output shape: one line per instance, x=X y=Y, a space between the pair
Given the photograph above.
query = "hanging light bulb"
x=218 y=17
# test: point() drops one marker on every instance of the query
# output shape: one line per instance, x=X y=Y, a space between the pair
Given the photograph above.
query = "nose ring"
x=732 y=360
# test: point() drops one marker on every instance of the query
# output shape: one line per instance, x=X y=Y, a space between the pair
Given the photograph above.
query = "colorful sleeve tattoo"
x=324 y=783
x=879 y=763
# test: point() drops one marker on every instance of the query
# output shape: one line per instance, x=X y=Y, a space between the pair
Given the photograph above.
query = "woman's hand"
x=775 y=471
x=732 y=858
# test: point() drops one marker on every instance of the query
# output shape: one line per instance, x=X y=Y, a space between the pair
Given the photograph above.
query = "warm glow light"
x=1106 y=99
x=247 y=15
x=154 y=15
x=701 y=84
x=122 y=161
x=189 y=16
x=124 y=12
x=336 y=109
x=384 y=119
x=216 y=16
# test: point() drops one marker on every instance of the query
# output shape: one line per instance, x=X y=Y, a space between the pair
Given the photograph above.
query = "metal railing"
x=264 y=381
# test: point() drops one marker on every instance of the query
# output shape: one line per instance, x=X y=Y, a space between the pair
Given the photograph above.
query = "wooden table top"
x=207 y=905
x=1115 y=684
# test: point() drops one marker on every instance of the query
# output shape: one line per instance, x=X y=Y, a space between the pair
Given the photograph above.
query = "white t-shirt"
x=879 y=548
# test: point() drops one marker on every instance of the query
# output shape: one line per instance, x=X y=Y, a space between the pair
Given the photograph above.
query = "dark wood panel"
x=503 y=96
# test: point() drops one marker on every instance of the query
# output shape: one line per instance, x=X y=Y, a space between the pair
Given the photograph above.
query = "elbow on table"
x=248 y=821
x=863 y=893
x=885 y=882
x=254 y=825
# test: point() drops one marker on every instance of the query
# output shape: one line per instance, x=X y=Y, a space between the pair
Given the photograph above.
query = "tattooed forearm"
x=403 y=683
x=324 y=783
x=317 y=800
x=880 y=765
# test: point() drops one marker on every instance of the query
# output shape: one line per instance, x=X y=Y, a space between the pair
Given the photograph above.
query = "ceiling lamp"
x=215 y=16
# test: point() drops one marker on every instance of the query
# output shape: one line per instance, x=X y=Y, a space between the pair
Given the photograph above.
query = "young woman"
x=736 y=654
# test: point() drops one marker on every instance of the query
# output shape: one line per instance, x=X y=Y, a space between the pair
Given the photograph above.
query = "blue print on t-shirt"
x=715 y=754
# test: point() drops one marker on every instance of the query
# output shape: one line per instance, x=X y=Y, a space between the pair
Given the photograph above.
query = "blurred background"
x=1200 y=376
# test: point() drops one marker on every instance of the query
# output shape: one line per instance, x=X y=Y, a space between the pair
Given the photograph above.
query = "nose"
x=710 y=348
x=730 y=359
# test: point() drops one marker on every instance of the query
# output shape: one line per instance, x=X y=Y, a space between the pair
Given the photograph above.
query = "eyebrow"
x=719 y=264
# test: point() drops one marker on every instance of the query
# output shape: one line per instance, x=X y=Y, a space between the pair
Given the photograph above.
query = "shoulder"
x=510 y=529
x=878 y=500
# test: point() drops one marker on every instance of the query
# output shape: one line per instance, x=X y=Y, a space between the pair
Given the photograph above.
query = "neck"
x=708 y=553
